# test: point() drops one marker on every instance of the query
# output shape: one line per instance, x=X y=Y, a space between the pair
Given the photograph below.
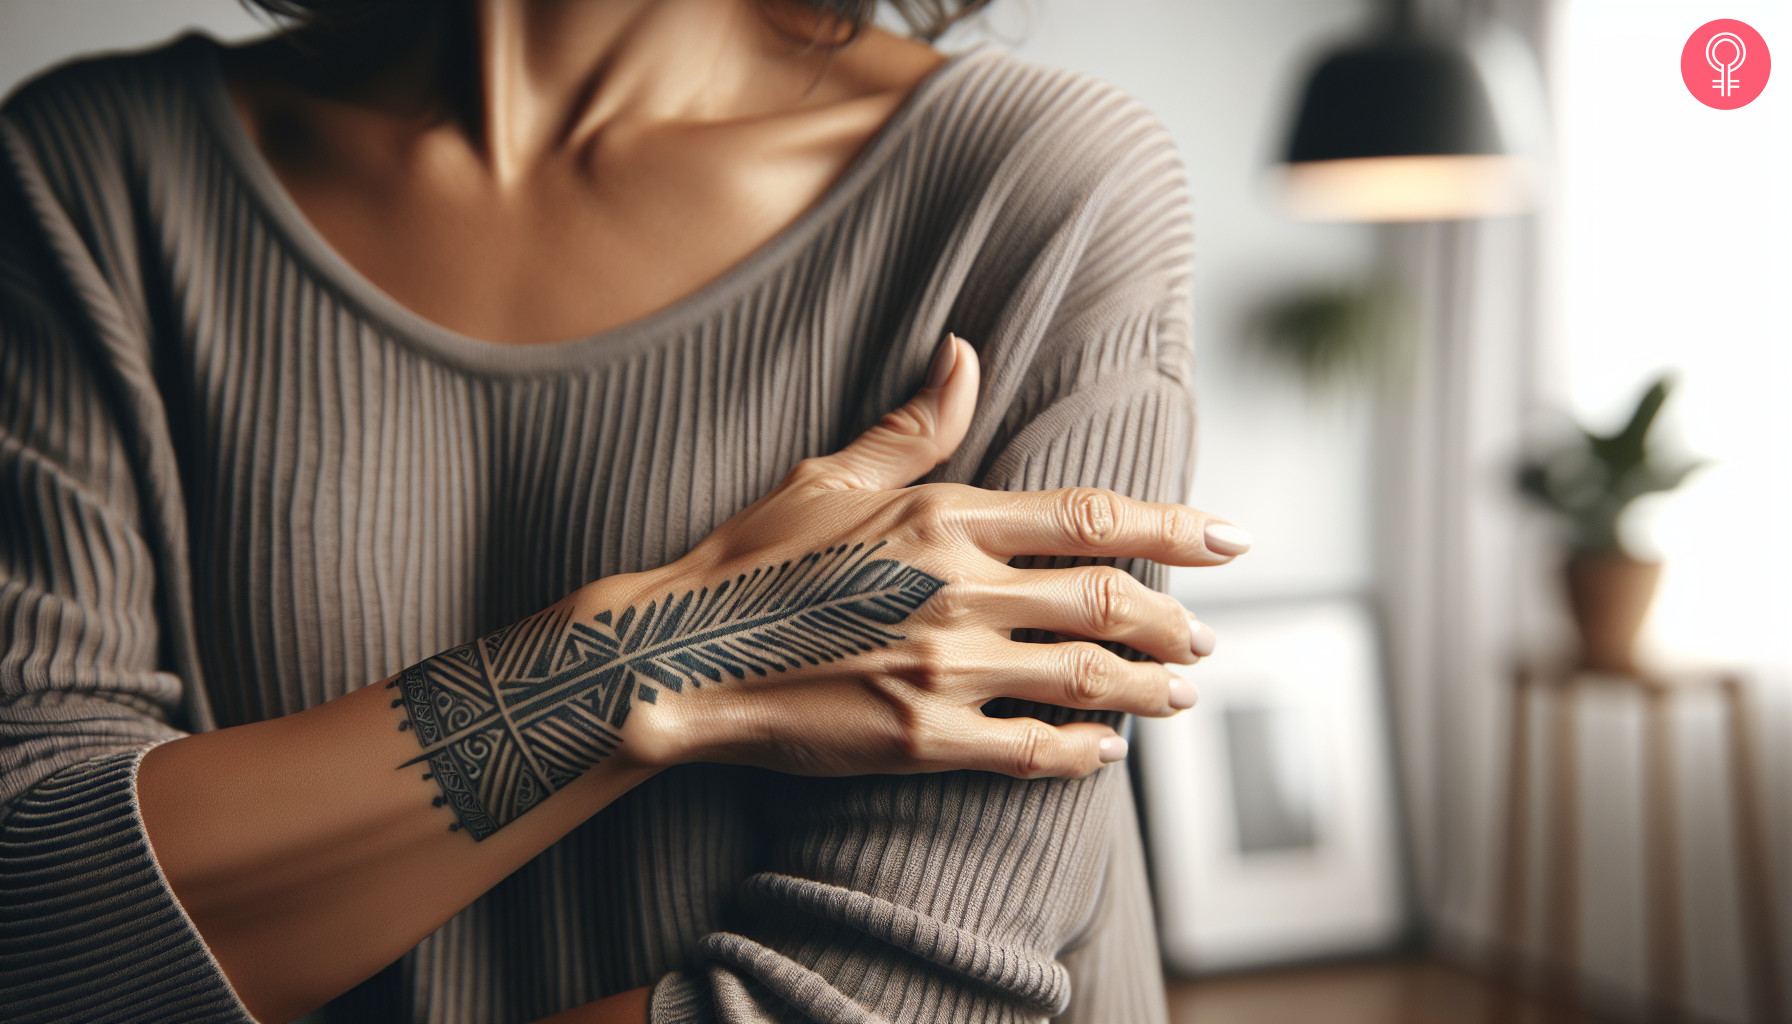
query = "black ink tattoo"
x=508 y=719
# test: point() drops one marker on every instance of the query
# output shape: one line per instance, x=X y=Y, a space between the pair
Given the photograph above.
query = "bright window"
x=1676 y=250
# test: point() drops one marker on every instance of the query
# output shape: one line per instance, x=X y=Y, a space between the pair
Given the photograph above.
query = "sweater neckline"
x=492 y=358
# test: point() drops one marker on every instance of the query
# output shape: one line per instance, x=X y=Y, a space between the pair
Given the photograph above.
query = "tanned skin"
x=530 y=172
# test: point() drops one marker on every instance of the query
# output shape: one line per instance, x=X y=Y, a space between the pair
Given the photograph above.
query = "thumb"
x=916 y=436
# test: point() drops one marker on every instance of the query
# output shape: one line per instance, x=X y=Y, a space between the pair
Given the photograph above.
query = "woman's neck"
x=525 y=80
x=537 y=171
x=553 y=73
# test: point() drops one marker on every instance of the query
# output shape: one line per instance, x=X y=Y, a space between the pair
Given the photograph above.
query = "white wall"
x=1219 y=73
x=1637 y=288
x=1611 y=315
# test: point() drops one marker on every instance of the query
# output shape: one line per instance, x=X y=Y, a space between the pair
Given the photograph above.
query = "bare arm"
x=624 y=1008
x=843 y=624
x=309 y=859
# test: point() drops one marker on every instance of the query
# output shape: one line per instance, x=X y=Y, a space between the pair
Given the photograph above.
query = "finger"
x=917 y=436
x=1027 y=748
x=1099 y=602
x=1081 y=674
x=1094 y=521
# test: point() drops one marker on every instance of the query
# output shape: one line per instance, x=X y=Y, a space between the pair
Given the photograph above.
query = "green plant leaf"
x=1589 y=479
x=1334 y=336
x=1626 y=449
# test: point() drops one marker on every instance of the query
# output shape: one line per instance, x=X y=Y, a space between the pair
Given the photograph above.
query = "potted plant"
x=1588 y=481
x=1336 y=337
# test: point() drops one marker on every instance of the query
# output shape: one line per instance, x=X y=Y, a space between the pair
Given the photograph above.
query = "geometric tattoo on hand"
x=508 y=719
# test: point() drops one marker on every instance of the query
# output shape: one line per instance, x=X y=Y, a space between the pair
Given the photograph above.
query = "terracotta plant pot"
x=1609 y=594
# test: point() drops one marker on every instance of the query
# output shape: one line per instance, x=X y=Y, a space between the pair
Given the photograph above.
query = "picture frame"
x=1270 y=806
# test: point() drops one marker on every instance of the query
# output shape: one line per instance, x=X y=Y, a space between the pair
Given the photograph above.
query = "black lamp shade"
x=1398 y=96
x=1402 y=127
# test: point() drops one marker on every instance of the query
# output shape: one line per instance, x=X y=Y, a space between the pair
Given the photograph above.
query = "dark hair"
x=926 y=19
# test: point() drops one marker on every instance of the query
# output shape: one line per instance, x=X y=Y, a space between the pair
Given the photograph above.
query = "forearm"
x=623 y=1008
x=803 y=635
x=313 y=849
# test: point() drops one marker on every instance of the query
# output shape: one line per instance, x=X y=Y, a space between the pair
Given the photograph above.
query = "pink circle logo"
x=1725 y=64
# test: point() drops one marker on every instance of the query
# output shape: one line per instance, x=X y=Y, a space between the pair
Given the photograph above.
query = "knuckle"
x=1181 y=530
x=1091 y=516
x=906 y=421
x=917 y=744
x=1174 y=630
x=929 y=513
x=950 y=604
x=1110 y=599
x=927 y=506
x=932 y=677
x=1032 y=755
x=932 y=670
x=1091 y=673
x=808 y=470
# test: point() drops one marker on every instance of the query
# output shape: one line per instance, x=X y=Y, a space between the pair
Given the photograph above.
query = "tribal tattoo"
x=508 y=719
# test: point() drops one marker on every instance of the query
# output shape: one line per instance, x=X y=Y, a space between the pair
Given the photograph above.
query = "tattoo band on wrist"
x=507 y=719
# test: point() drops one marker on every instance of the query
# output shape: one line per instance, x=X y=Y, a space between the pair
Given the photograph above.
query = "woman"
x=527 y=358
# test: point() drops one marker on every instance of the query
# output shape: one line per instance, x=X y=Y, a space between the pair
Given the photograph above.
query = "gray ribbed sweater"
x=236 y=480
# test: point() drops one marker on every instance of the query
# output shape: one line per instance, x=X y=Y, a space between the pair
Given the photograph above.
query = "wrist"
x=640 y=702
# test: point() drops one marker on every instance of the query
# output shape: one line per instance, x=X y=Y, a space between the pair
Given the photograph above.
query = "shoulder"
x=107 y=90
x=88 y=126
x=1069 y=188
x=1049 y=169
x=92 y=146
x=1013 y=124
x=1070 y=252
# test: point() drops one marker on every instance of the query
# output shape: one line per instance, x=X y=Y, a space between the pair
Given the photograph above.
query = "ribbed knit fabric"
x=236 y=481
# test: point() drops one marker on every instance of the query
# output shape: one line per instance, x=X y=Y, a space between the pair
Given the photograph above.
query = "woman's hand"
x=842 y=624
x=846 y=623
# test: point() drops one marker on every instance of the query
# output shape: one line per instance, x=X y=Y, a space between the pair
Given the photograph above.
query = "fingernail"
x=945 y=360
x=1112 y=749
x=1182 y=693
x=1201 y=639
x=1226 y=539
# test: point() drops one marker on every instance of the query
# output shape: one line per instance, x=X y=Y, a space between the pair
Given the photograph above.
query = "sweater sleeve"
x=89 y=928
x=970 y=896
x=963 y=896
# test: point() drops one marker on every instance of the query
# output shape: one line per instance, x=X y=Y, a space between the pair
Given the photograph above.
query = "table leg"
x=1755 y=893
x=1514 y=893
x=1562 y=943
x=1661 y=860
